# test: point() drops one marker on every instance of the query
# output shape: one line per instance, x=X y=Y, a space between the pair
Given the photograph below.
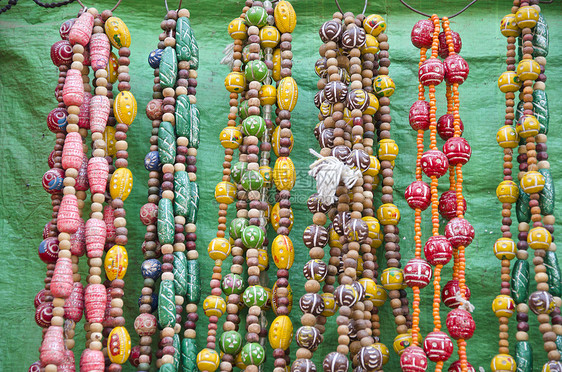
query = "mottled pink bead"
x=422 y=33
x=446 y=126
x=81 y=30
x=44 y=314
x=434 y=163
x=419 y=115
x=448 y=204
x=72 y=152
x=73 y=90
x=456 y=69
x=99 y=51
x=68 y=365
x=95 y=237
x=413 y=359
x=84 y=115
x=438 y=250
x=149 y=214
x=417 y=273
x=74 y=304
x=61 y=53
x=68 y=218
x=145 y=324
x=95 y=301
x=438 y=346
x=460 y=324
x=52 y=347
x=99 y=113
x=444 y=48
x=78 y=240
x=82 y=183
x=449 y=294
x=459 y=232
x=92 y=361
x=431 y=72
x=98 y=170
x=109 y=218
x=61 y=283
x=418 y=195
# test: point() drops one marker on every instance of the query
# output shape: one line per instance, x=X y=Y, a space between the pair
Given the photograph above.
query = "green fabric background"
x=28 y=78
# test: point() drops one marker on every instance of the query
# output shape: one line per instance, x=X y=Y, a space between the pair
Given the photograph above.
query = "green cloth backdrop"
x=28 y=78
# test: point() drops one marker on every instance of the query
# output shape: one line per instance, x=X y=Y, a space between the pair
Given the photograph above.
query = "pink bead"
x=47 y=230
x=419 y=115
x=99 y=113
x=68 y=218
x=65 y=28
x=457 y=150
x=95 y=299
x=448 y=204
x=418 y=195
x=446 y=126
x=145 y=324
x=72 y=151
x=61 y=53
x=109 y=218
x=51 y=159
x=39 y=297
x=417 y=273
x=35 y=367
x=431 y=72
x=422 y=34
x=68 y=363
x=456 y=367
x=98 y=170
x=444 y=48
x=438 y=346
x=459 y=232
x=52 y=180
x=413 y=359
x=73 y=90
x=78 y=240
x=84 y=115
x=52 y=347
x=61 y=283
x=149 y=214
x=49 y=250
x=92 y=361
x=434 y=163
x=438 y=250
x=44 y=314
x=74 y=304
x=460 y=324
x=456 y=69
x=99 y=51
x=81 y=30
x=95 y=237
x=449 y=294
x=82 y=183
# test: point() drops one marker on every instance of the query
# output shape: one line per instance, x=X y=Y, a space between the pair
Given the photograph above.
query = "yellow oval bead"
x=388 y=214
x=388 y=149
x=119 y=345
x=539 y=238
x=268 y=95
x=116 y=262
x=284 y=173
x=528 y=69
x=237 y=29
x=269 y=37
x=384 y=86
x=508 y=26
x=275 y=217
x=112 y=67
x=125 y=107
x=528 y=126
x=263 y=259
x=374 y=24
x=225 y=192
x=280 y=332
x=374 y=231
x=373 y=105
x=380 y=296
x=283 y=252
x=287 y=94
x=402 y=341
x=330 y=306
x=503 y=305
x=334 y=240
x=370 y=287
x=117 y=32
x=285 y=17
x=121 y=184
x=507 y=192
x=230 y=137
x=276 y=59
x=374 y=167
x=532 y=182
x=214 y=305
x=276 y=138
x=265 y=171
x=371 y=46
x=507 y=137
x=208 y=360
x=219 y=249
x=505 y=248
x=509 y=82
x=526 y=16
x=393 y=278
x=235 y=82
x=109 y=139
x=503 y=363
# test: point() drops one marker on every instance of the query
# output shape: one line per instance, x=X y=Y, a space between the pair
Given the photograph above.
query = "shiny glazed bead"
x=450 y=292
x=252 y=180
x=121 y=184
x=374 y=24
x=335 y=362
x=434 y=163
x=371 y=46
x=418 y=195
x=287 y=93
x=417 y=273
x=527 y=126
x=446 y=126
x=151 y=269
x=330 y=306
x=208 y=360
x=392 y=278
x=507 y=137
x=252 y=353
x=116 y=262
x=214 y=306
x=526 y=16
x=460 y=324
x=253 y=237
x=255 y=295
x=402 y=341
x=125 y=107
x=232 y=284
x=61 y=53
x=438 y=346
x=388 y=150
x=422 y=34
x=507 y=192
x=119 y=345
x=431 y=72
x=509 y=82
x=53 y=180
x=219 y=249
x=508 y=26
x=230 y=137
x=539 y=238
x=285 y=17
x=267 y=95
x=230 y=342
x=438 y=250
x=225 y=192
x=541 y=302
x=374 y=166
x=456 y=69
x=413 y=359
x=503 y=306
x=235 y=82
x=383 y=86
x=456 y=367
x=283 y=252
x=419 y=115
x=459 y=232
x=532 y=182
x=380 y=296
x=370 y=358
x=118 y=33
x=528 y=69
x=457 y=150
x=269 y=37
x=280 y=332
x=57 y=119
x=255 y=71
x=503 y=363
x=388 y=214
x=346 y=295
x=237 y=29
x=284 y=173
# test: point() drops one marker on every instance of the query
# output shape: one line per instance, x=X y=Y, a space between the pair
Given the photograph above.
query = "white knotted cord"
x=228 y=58
x=465 y=304
x=328 y=172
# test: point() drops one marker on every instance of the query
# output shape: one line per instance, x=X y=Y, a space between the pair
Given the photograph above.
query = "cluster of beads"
x=173 y=202
x=534 y=196
x=434 y=163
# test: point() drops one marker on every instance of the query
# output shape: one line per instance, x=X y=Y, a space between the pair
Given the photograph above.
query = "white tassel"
x=481 y=369
x=465 y=304
x=228 y=58
x=328 y=172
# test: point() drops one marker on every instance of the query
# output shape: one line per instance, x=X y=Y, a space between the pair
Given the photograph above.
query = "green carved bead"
x=238 y=225
x=252 y=354
x=541 y=111
x=547 y=195
x=168 y=367
x=252 y=180
x=559 y=343
x=255 y=295
x=256 y=70
x=183 y=39
x=193 y=282
x=553 y=271
x=230 y=342
x=166 y=226
x=253 y=237
x=181 y=193
x=256 y=16
x=232 y=284
x=189 y=355
x=540 y=38
x=168 y=68
x=176 y=343
x=193 y=207
x=183 y=124
x=522 y=208
x=524 y=356
x=166 y=143
x=180 y=273
x=520 y=281
x=238 y=171
x=166 y=304
x=194 y=58
x=254 y=126
x=195 y=126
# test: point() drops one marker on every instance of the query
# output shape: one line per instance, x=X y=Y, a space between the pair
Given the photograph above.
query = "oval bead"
x=125 y=107
x=193 y=282
x=118 y=33
x=73 y=89
x=276 y=59
x=166 y=225
x=181 y=193
x=112 y=68
x=180 y=274
x=166 y=304
x=524 y=356
x=547 y=195
x=81 y=30
x=284 y=173
x=119 y=345
x=287 y=94
x=95 y=302
x=121 y=184
x=283 y=252
x=168 y=68
x=116 y=262
x=285 y=17
x=280 y=332
x=99 y=51
x=554 y=275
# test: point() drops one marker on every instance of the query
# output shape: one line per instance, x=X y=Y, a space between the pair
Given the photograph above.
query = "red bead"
x=434 y=163
x=438 y=250
x=444 y=48
x=418 y=195
x=448 y=204
x=56 y=120
x=39 y=297
x=61 y=53
x=431 y=72
x=449 y=294
x=417 y=273
x=438 y=346
x=456 y=69
x=459 y=232
x=74 y=304
x=456 y=367
x=457 y=150
x=446 y=126
x=44 y=314
x=413 y=359
x=460 y=324
x=422 y=33
x=149 y=214
x=419 y=115
x=49 y=250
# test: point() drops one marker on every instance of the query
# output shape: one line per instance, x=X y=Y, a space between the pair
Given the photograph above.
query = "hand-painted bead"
x=109 y=139
x=145 y=324
x=369 y=287
x=95 y=301
x=417 y=273
x=541 y=302
x=96 y=233
x=456 y=69
x=253 y=237
x=388 y=150
x=505 y=249
x=388 y=214
x=232 y=284
x=446 y=126
x=539 y=238
x=419 y=115
x=184 y=40
x=547 y=194
x=431 y=72
x=99 y=51
x=371 y=46
x=119 y=345
x=230 y=342
x=180 y=274
x=78 y=240
x=353 y=37
x=374 y=24
x=118 y=33
x=121 y=184
x=230 y=137
x=434 y=163
x=370 y=358
x=450 y=292
x=166 y=304
x=460 y=324
x=81 y=30
x=68 y=218
x=98 y=170
x=149 y=214
x=166 y=226
x=393 y=278
x=422 y=34
x=456 y=367
x=56 y=120
x=287 y=94
x=73 y=90
x=413 y=359
x=285 y=17
x=44 y=314
x=315 y=270
x=308 y=337
x=112 y=68
x=527 y=126
x=503 y=306
x=52 y=347
x=383 y=86
x=53 y=180
x=269 y=37
x=526 y=16
x=335 y=362
x=208 y=360
x=540 y=38
x=65 y=28
x=74 y=304
x=225 y=192
x=508 y=26
x=438 y=346
x=151 y=269
x=507 y=137
x=532 y=182
x=418 y=195
x=284 y=173
x=61 y=53
x=282 y=251
x=99 y=113
x=503 y=363
x=214 y=306
x=237 y=29
x=457 y=150
x=219 y=249
x=154 y=58
x=330 y=305
x=92 y=360
x=84 y=115
x=255 y=295
x=116 y=262
x=438 y=250
x=509 y=82
x=346 y=295
x=125 y=107
x=443 y=47
x=459 y=232
x=168 y=68
x=507 y=192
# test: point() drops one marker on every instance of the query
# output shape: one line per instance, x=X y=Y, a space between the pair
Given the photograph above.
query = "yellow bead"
x=359 y=266
x=402 y=341
x=269 y=37
x=285 y=17
x=266 y=171
x=507 y=192
x=503 y=363
x=268 y=95
x=507 y=137
x=275 y=217
x=532 y=182
x=388 y=214
x=526 y=16
x=373 y=105
x=225 y=192
x=109 y=139
x=237 y=29
x=527 y=126
x=117 y=32
x=276 y=59
x=284 y=173
x=393 y=278
x=263 y=259
x=208 y=360
x=383 y=86
x=370 y=287
x=508 y=26
x=230 y=137
x=214 y=306
x=374 y=167
x=125 y=107
x=380 y=296
x=287 y=94
x=112 y=67
x=384 y=351
x=374 y=231
x=374 y=24
x=121 y=184
x=276 y=138
x=539 y=238
x=326 y=108
x=219 y=249
x=505 y=248
x=528 y=69
x=119 y=345
x=235 y=82
x=334 y=239
x=281 y=332
x=503 y=305
x=388 y=149
x=371 y=45
x=116 y=262
x=330 y=306
x=509 y=82
x=283 y=252
x=238 y=361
